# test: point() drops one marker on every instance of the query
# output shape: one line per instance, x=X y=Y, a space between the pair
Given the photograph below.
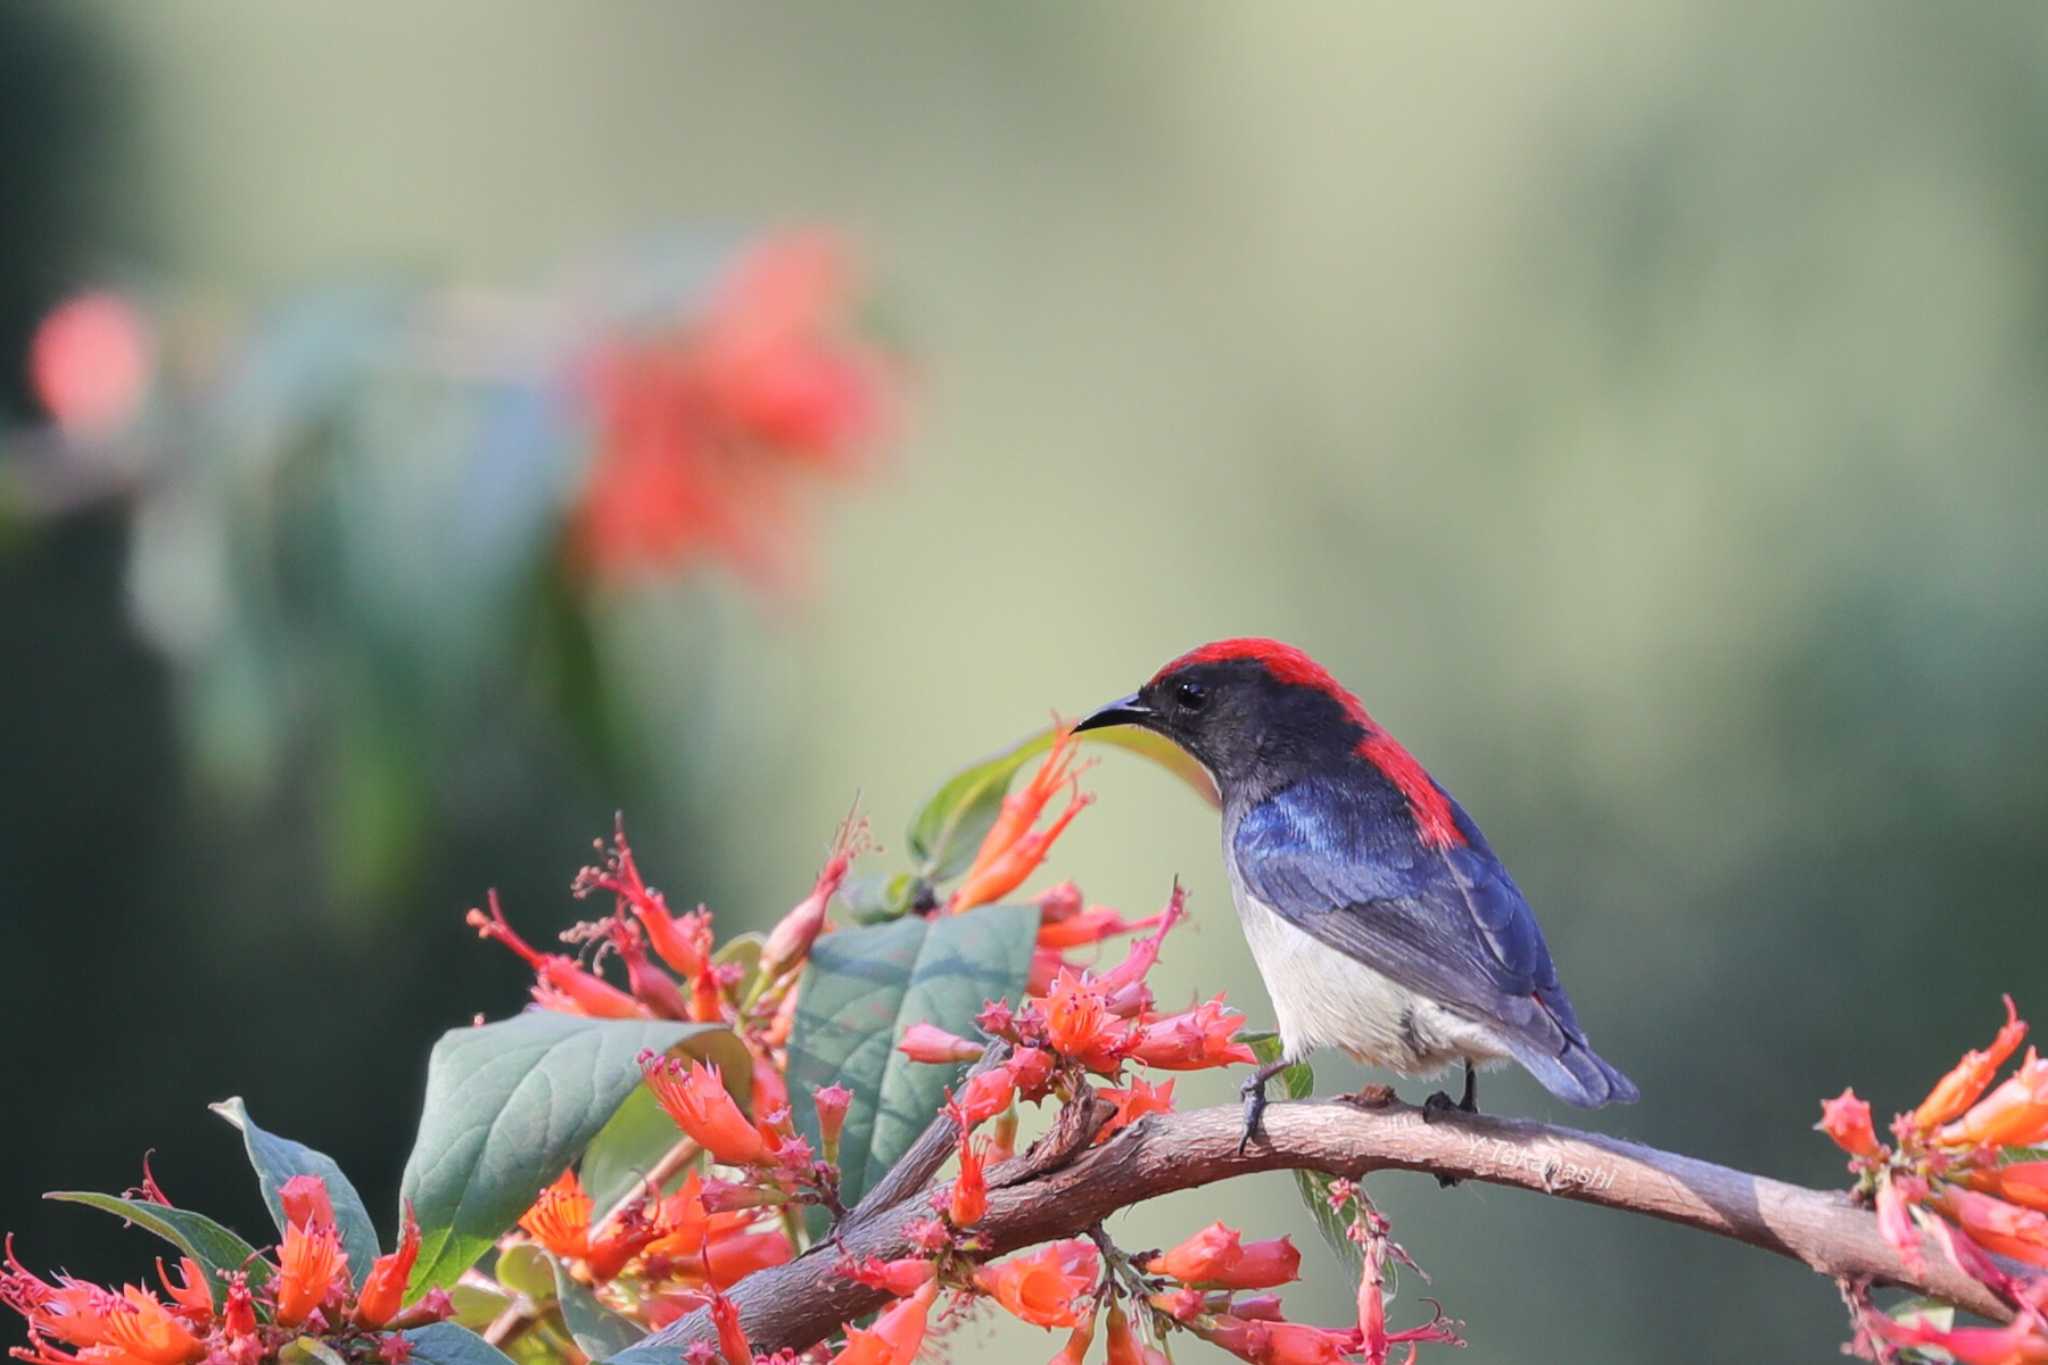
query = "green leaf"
x=862 y=988
x=218 y=1251
x=945 y=834
x=745 y=950
x=510 y=1104
x=1298 y=1082
x=525 y=1269
x=598 y=1332
x=278 y=1159
x=308 y=1351
x=443 y=1343
x=476 y=1306
x=947 y=831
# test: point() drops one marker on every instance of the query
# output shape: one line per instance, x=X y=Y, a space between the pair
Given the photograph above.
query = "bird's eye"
x=1190 y=696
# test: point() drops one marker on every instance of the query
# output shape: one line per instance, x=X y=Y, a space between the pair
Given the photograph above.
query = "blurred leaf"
x=626 y=1149
x=525 y=1269
x=871 y=898
x=1298 y=1082
x=217 y=1250
x=443 y=1343
x=510 y=1104
x=862 y=987
x=476 y=1305
x=278 y=1159
x=745 y=950
x=949 y=828
x=599 y=1333
x=308 y=1351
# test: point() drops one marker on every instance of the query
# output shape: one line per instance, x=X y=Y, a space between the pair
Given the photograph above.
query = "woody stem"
x=799 y=1304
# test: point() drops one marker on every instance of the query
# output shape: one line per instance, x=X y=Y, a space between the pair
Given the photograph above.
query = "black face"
x=1251 y=731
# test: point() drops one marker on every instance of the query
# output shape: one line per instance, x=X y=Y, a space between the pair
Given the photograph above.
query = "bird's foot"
x=1254 y=1092
x=1437 y=1105
x=1371 y=1097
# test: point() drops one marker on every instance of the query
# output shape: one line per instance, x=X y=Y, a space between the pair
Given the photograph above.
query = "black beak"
x=1127 y=711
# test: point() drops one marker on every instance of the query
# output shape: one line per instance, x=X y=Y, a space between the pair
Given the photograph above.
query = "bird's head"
x=1256 y=713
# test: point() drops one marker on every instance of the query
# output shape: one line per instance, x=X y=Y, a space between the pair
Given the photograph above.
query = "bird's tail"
x=1575 y=1074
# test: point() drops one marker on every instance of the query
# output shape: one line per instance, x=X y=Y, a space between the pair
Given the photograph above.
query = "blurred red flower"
x=708 y=430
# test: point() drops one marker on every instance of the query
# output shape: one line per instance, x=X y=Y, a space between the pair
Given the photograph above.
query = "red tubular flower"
x=383 y=1290
x=1031 y=1068
x=1200 y=1257
x=1092 y=925
x=732 y=1338
x=1959 y=1089
x=934 y=1046
x=1896 y=1196
x=1846 y=1119
x=1214 y=1258
x=1076 y=1349
x=189 y=1291
x=311 y=1266
x=1204 y=1036
x=832 y=1102
x=969 y=1199
x=1995 y=1225
x=1002 y=1143
x=1276 y=1343
x=695 y=1097
x=2013 y=1115
x=1011 y=850
x=898 y=1277
x=138 y=1328
x=983 y=1097
x=649 y=984
x=1133 y=1104
x=1078 y=1024
x=730 y=1257
x=1124 y=1346
x=560 y=1218
x=2023 y=1182
x=305 y=1200
x=2021 y=1342
x=1058 y=903
x=1042 y=1287
x=1144 y=953
x=562 y=984
x=791 y=939
x=902 y=1324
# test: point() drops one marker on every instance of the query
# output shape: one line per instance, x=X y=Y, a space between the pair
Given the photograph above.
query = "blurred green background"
x=1644 y=407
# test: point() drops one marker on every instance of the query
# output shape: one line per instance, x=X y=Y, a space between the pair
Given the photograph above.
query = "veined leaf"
x=218 y=1251
x=510 y=1104
x=862 y=988
x=278 y=1159
x=443 y=1343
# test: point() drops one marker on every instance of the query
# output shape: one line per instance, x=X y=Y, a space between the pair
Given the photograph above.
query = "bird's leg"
x=1441 y=1103
x=1254 y=1092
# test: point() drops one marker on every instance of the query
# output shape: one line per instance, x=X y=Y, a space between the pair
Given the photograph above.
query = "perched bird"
x=1381 y=922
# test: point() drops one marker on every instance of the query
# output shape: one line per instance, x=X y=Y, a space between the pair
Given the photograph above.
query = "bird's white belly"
x=1324 y=999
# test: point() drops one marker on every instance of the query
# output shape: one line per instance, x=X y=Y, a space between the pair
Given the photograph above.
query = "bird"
x=1381 y=921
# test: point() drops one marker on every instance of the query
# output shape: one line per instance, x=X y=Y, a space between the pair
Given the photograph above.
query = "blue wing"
x=1341 y=864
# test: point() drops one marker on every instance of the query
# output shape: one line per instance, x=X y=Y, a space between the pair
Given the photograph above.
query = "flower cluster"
x=709 y=427
x=238 y=1317
x=1963 y=1171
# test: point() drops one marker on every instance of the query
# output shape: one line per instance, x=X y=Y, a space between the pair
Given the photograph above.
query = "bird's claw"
x=1254 y=1092
x=1438 y=1105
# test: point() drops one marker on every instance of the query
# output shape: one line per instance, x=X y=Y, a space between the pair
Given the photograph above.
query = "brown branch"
x=798 y=1304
